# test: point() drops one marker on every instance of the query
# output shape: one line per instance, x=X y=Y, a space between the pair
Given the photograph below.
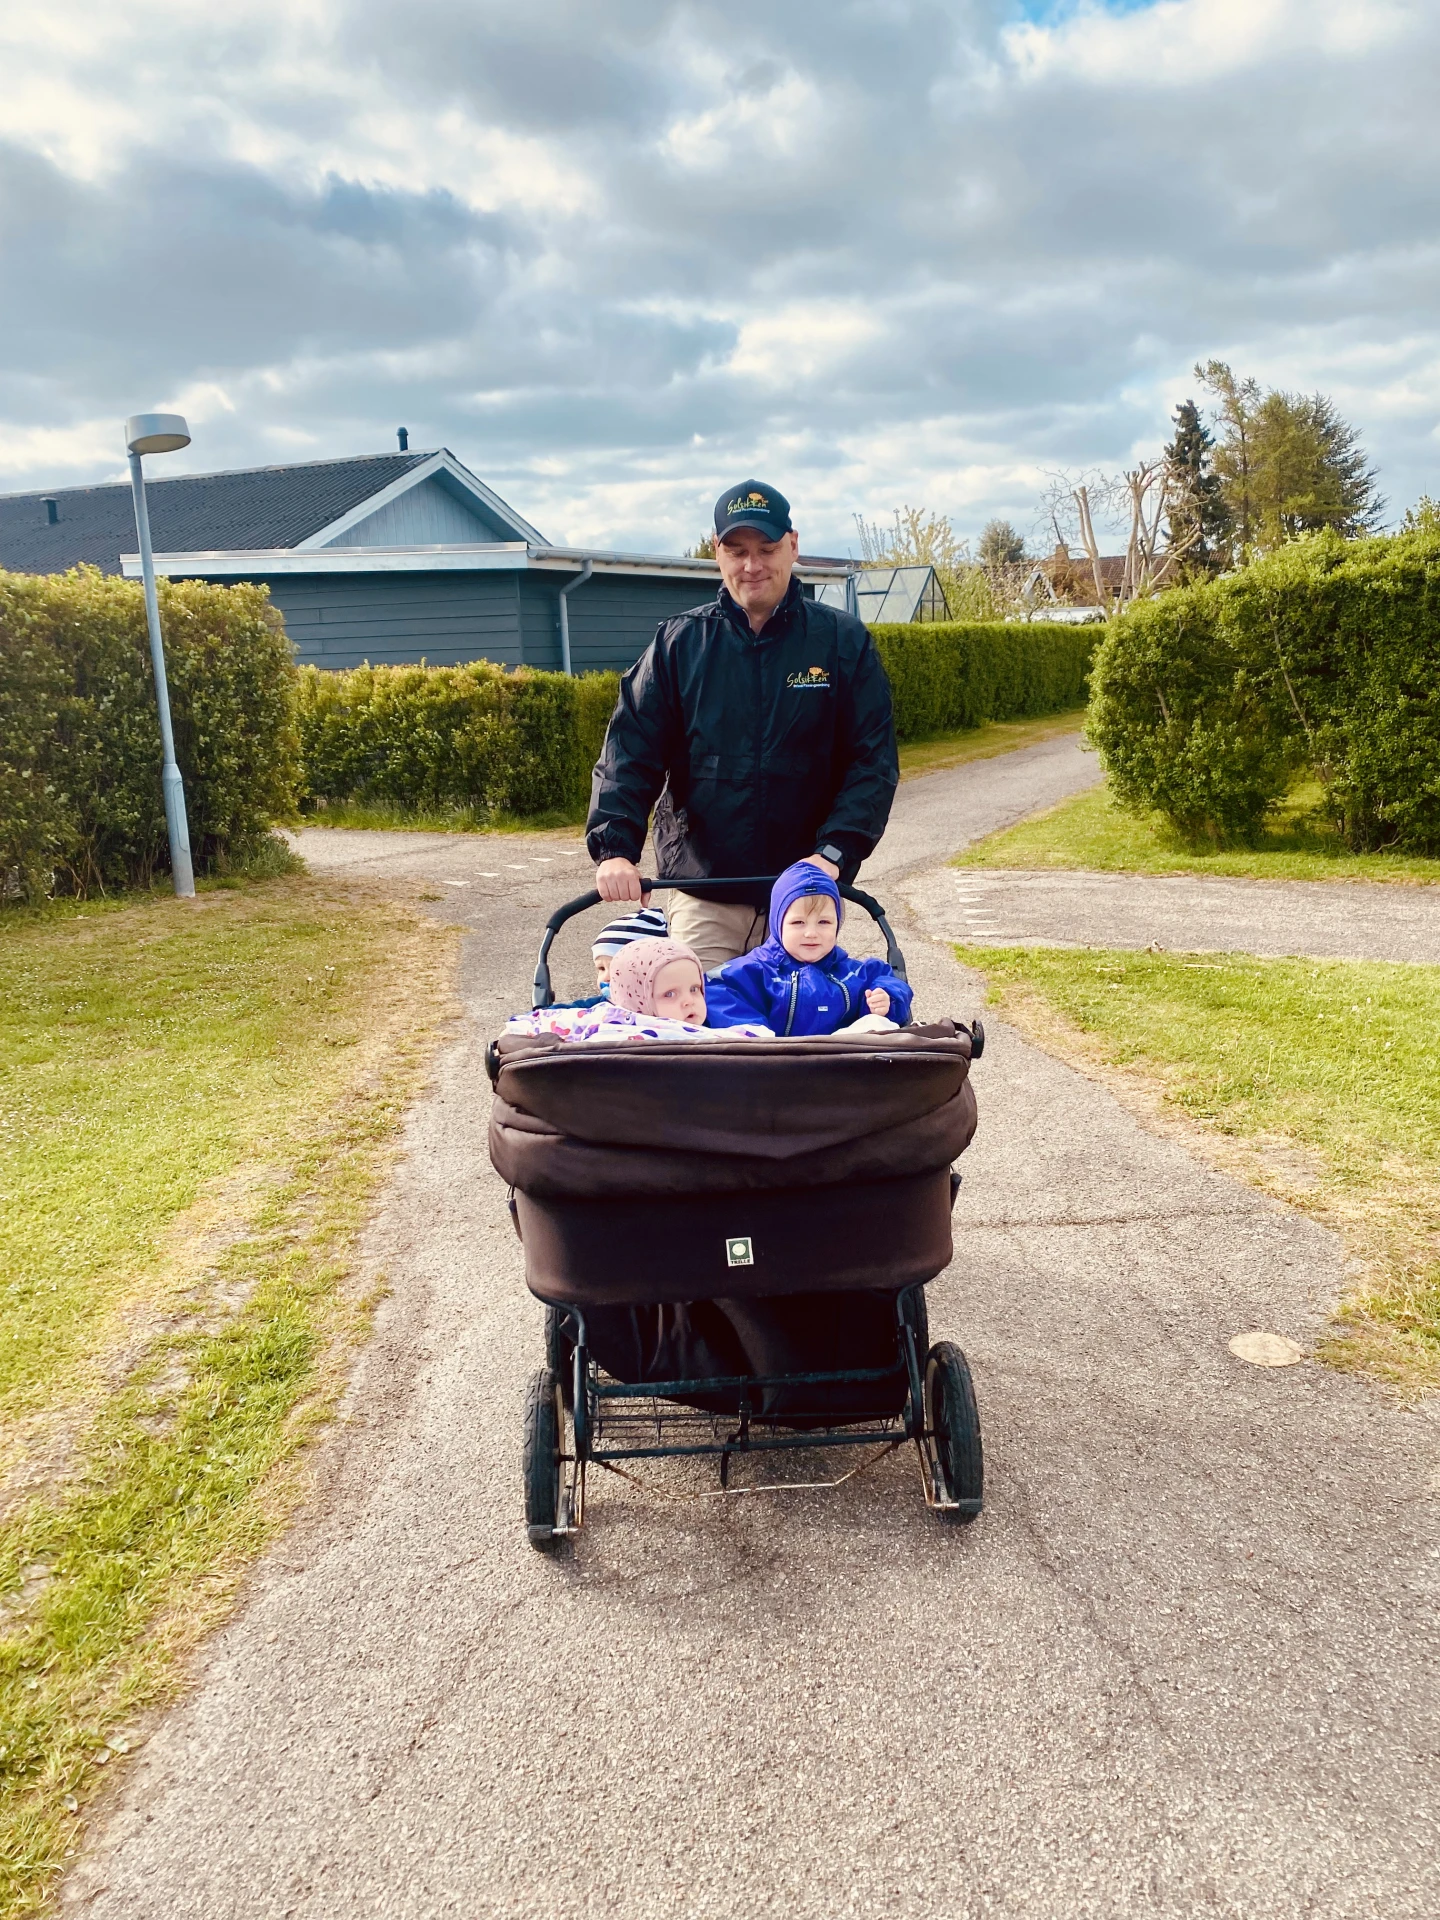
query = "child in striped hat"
x=648 y=923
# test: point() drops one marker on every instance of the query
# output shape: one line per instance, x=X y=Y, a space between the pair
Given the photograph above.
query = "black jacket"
x=753 y=750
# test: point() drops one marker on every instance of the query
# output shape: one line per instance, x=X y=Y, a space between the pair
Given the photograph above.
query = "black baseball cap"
x=752 y=504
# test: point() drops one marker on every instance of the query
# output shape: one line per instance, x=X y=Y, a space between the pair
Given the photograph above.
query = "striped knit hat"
x=649 y=923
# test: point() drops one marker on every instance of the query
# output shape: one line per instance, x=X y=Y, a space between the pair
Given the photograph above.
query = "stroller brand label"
x=739 y=1253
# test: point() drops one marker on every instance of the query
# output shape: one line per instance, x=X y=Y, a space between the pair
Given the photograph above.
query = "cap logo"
x=746 y=503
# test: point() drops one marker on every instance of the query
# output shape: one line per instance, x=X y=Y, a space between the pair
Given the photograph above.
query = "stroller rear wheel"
x=954 y=1421
x=544 y=1424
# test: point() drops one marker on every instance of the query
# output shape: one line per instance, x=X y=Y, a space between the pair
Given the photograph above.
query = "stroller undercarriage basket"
x=732 y=1240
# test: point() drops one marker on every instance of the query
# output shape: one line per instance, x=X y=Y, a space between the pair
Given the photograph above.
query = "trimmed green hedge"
x=437 y=738
x=521 y=742
x=80 y=800
x=948 y=676
x=1209 y=699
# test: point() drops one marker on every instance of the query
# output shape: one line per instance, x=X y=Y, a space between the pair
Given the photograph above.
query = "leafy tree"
x=1000 y=544
x=1198 y=522
x=704 y=548
x=1423 y=517
x=1287 y=463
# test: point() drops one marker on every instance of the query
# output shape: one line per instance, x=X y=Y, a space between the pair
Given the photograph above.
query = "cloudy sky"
x=617 y=255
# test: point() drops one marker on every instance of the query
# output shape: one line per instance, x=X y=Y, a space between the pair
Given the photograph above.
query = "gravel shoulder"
x=1185 y=1663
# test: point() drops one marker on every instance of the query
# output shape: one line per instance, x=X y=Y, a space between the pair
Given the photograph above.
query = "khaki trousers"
x=716 y=930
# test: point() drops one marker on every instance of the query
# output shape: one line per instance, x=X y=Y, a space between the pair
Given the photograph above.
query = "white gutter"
x=488 y=557
x=565 y=592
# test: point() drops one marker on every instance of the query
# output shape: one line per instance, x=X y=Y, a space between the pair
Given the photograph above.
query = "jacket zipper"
x=794 y=995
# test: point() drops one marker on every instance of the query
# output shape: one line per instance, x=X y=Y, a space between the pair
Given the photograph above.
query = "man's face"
x=756 y=570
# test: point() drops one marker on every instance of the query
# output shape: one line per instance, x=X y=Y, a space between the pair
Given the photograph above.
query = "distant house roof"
x=318 y=503
x=1070 y=578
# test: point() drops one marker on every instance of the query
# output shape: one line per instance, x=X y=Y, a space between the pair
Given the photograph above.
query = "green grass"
x=983 y=743
x=1090 y=831
x=1319 y=1078
x=196 y=1102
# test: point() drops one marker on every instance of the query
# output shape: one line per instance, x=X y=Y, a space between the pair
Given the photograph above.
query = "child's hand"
x=877 y=1000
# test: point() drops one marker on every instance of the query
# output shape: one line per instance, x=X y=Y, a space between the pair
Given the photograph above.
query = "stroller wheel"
x=954 y=1421
x=542 y=1460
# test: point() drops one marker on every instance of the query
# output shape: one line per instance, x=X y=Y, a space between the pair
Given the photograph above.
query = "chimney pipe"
x=402 y=434
x=52 y=512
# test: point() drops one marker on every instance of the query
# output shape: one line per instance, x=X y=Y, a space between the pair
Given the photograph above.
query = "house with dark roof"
x=390 y=558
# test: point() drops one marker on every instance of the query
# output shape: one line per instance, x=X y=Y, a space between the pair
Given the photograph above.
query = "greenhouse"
x=883 y=594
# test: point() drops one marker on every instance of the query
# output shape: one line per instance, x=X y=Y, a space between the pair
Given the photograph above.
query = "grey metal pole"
x=172 y=786
x=565 y=591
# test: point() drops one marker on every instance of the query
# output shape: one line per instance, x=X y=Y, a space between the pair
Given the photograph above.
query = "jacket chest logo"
x=809 y=677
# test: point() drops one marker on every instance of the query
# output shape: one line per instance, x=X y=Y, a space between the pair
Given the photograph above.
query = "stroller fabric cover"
x=679 y=1194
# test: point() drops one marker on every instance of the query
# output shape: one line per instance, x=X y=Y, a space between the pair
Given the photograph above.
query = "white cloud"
x=618 y=257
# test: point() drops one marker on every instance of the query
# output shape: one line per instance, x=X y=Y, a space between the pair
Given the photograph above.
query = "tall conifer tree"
x=1199 y=521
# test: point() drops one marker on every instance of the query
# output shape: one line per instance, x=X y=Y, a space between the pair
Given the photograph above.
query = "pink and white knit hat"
x=634 y=969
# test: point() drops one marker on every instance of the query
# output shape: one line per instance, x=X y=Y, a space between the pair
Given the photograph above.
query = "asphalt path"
x=1185 y=1663
x=1321 y=919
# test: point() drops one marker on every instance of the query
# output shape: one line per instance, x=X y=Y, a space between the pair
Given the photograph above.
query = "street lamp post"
x=161 y=433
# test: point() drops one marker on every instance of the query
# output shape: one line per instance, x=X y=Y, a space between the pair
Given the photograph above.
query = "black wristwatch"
x=832 y=854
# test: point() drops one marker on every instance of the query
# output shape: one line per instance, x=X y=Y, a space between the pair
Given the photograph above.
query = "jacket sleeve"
x=633 y=762
x=861 y=807
x=735 y=996
x=875 y=973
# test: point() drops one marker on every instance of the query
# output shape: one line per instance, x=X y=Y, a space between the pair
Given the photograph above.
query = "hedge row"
x=946 y=676
x=524 y=742
x=80 y=800
x=1210 y=699
x=436 y=738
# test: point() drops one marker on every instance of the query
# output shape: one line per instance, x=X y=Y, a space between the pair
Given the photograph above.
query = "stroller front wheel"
x=954 y=1423
x=543 y=1428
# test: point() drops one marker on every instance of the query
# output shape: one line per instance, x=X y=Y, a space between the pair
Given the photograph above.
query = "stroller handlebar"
x=544 y=995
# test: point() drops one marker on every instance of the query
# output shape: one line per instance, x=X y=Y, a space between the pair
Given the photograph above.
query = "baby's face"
x=602 y=968
x=680 y=993
x=809 y=931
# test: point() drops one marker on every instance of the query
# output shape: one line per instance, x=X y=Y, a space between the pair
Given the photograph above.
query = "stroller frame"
x=582 y=1394
x=577 y=1416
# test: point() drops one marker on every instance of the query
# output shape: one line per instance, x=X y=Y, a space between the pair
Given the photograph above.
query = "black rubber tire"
x=954 y=1420
x=542 y=1460
x=559 y=1353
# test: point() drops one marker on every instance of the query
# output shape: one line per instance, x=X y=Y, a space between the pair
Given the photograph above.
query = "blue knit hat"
x=794 y=884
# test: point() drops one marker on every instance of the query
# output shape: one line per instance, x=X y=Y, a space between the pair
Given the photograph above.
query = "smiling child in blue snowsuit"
x=800 y=981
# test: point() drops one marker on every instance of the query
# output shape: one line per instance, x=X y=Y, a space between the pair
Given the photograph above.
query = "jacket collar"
x=788 y=611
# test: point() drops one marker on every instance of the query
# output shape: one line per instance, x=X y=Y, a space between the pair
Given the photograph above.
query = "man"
x=759 y=730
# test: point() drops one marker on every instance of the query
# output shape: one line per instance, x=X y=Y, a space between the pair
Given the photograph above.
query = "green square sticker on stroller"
x=739 y=1253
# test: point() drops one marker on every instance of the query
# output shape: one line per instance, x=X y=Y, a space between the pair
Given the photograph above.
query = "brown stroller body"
x=732 y=1239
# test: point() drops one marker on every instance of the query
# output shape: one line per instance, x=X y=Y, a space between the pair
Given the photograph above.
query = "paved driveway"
x=1185 y=1664
x=1326 y=919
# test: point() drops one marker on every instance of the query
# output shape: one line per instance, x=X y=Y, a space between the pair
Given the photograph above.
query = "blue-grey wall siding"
x=445 y=619
x=613 y=617
x=401 y=619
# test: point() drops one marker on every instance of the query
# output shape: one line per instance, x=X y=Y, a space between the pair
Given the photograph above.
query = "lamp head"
x=156 y=433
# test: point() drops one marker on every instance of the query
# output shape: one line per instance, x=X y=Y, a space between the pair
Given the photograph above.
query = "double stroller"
x=731 y=1240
